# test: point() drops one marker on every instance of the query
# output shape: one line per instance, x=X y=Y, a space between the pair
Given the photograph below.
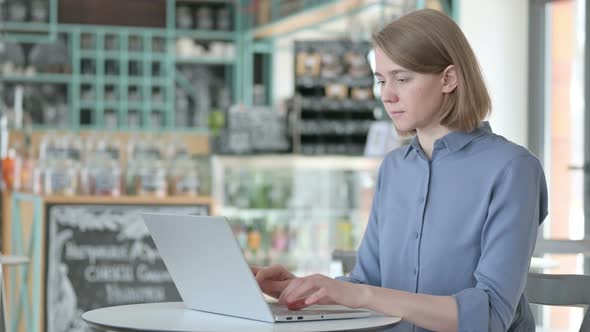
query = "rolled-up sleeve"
x=518 y=204
x=367 y=269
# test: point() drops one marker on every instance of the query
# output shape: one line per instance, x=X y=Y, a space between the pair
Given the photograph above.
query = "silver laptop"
x=211 y=274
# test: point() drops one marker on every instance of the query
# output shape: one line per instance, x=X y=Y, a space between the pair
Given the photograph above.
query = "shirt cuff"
x=348 y=279
x=473 y=310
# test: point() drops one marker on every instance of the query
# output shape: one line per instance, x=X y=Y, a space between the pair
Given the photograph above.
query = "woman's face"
x=412 y=100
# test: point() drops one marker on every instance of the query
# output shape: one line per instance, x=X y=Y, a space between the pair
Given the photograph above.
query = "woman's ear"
x=450 y=79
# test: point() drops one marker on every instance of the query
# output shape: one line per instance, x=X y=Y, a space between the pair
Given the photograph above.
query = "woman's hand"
x=319 y=289
x=272 y=279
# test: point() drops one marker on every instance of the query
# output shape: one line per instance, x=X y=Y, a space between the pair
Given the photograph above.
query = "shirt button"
x=417 y=234
x=415 y=271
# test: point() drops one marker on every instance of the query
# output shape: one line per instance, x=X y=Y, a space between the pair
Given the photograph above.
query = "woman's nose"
x=389 y=96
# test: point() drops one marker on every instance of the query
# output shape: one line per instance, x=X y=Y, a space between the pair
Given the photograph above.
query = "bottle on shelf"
x=279 y=246
x=9 y=164
x=254 y=239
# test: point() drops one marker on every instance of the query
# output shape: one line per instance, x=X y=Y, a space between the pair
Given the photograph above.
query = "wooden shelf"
x=115 y=200
x=292 y=161
x=311 y=17
x=37 y=78
x=206 y=60
x=127 y=200
x=207 y=34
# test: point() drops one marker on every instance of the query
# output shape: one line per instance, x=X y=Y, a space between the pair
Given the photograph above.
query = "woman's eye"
x=402 y=80
x=380 y=82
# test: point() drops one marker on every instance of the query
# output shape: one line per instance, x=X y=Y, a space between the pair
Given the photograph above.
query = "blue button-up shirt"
x=462 y=224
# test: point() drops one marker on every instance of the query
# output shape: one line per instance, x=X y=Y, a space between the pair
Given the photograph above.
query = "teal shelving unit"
x=113 y=76
x=127 y=78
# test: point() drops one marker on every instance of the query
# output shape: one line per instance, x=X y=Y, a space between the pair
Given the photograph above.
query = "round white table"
x=174 y=317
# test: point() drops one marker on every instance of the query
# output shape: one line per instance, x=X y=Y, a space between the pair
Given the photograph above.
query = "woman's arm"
x=436 y=313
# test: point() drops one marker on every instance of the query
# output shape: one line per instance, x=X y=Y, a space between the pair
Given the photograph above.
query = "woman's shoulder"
x=499 y=150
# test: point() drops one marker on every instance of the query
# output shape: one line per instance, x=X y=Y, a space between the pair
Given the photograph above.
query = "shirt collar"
x=455 y=140
x=414 y=145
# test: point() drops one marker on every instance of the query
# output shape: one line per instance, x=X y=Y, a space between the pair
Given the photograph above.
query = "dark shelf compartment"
x=323 y=104
x=351 y=81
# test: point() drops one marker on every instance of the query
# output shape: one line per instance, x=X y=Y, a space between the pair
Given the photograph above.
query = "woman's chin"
x=404 y=130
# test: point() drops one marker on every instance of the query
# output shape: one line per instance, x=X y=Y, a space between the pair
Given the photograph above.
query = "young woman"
x=455 y=213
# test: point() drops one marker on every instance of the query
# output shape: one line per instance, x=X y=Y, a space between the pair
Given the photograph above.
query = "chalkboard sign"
x=100 y=256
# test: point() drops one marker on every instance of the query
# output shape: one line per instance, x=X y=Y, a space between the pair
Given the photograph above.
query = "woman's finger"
x=274 y=272
x=255 y=269
x=266 y=273
x=271 y=286
x=316 y=297
x=307 y=287
x=292 y=285
x=297 y=305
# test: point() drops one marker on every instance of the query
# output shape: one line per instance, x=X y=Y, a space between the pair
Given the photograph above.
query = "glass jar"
x=101 y=174
x=204 y=18
x=184 y=178
x=110 y=147
x=184 y=17
x=151 y=180
x=60 y=178
x=71 y=147
x=105 y=178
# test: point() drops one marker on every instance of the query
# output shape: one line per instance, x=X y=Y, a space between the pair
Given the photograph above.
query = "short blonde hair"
x=428 y=41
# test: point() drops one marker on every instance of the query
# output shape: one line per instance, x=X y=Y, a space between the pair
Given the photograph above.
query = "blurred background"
x=263 y=111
